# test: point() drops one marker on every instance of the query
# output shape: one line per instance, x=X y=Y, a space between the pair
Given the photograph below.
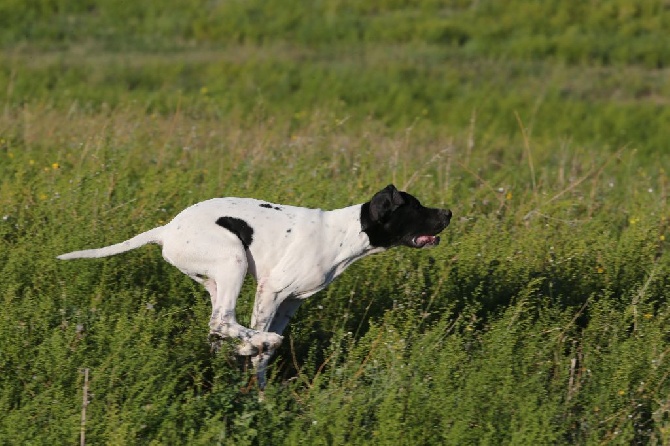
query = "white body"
x=292 y=252
x=295 y=252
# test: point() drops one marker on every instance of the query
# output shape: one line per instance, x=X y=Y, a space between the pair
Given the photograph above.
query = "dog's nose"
x=445 y=217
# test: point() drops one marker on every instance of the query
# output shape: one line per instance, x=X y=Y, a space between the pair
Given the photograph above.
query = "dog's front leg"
x=273 y=323
x=260 y=363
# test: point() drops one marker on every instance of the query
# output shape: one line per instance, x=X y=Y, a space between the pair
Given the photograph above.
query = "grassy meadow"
x=541 y=319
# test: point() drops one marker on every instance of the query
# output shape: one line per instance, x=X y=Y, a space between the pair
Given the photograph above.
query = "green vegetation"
x=543 y=317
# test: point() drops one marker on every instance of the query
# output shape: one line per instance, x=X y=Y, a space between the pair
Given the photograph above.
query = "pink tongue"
x=424 y=239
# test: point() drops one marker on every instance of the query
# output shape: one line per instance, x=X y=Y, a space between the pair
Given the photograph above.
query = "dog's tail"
x=150 y=236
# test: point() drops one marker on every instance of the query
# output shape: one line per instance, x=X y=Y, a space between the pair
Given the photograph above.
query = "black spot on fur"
x=238 y=227
x=288 y=230
x=269 y=206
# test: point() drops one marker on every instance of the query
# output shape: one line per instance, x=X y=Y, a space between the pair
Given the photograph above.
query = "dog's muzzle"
x=422 y=241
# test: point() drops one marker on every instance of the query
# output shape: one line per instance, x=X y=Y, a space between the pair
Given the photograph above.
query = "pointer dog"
x=292 y=252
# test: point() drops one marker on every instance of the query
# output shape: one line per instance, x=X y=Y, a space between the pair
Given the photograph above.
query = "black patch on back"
x=269 y=206
x=238 y=227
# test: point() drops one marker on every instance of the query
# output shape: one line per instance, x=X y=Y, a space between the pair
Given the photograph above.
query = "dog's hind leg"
x=224 y=285
x=219 y=262
x=223 y=323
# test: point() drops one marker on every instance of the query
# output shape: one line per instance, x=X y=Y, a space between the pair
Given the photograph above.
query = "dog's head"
x=394 y=218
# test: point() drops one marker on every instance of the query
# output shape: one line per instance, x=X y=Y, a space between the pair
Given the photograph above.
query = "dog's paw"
x=268 y=339
x=259 y=343
x=247 y=349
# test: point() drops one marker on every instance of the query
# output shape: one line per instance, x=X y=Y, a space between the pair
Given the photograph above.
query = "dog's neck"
x=346 y=230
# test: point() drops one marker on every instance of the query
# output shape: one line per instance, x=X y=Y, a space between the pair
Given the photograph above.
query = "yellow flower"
x=648 y=316
x=31 y=162
x=55 y=166
x=508 y=196
x=43 y=196
x=621 y=393
x=662 y=237
x=600 y=269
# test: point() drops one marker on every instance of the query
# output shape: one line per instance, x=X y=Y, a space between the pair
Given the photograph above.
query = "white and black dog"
x=292 y=252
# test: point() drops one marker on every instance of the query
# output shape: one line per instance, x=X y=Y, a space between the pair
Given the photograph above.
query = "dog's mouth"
x=423 y=241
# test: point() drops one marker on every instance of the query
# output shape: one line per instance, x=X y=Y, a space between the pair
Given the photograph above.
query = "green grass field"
x=541 y=319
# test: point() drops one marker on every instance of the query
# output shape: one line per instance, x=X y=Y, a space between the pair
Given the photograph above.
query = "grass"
x=541 y=319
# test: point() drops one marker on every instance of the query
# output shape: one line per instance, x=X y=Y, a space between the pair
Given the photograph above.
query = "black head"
x=394 y=218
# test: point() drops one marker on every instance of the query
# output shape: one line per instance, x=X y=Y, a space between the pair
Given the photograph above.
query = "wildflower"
x=621 y=393
x=648 y=316
x=508 y=196
x=55 y=166
x=600 y=269
x=662 y=237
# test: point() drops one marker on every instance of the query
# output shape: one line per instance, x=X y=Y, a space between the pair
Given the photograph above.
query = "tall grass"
x=542 y=318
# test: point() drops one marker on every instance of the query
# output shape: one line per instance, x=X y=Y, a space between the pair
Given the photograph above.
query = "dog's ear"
x=384 y=202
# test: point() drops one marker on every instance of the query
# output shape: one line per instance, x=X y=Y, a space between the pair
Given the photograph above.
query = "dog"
x=292 y=252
